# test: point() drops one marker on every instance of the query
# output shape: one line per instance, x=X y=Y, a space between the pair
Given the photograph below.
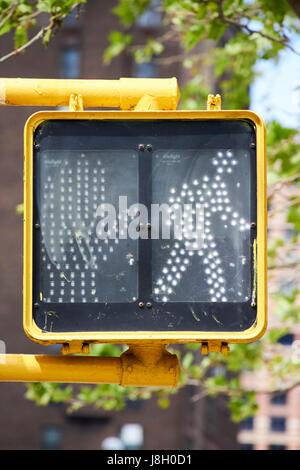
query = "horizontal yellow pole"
x=124 y=93
x=160 y=371
x=68 y=369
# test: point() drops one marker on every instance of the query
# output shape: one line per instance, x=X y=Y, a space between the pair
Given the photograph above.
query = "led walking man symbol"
x=219 y=215
x=73 y=255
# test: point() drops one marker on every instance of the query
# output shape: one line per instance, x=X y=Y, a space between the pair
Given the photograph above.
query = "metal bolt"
x=36 y=146
x=85 y=348
x=148 y=226
x=253 y=304
x=141 y=304
x=36 y=305
x=253 y=225
x=252 y=145
x=65 y=349
x=37 y=226
x=149 y=147
x=148 y=304
x=141 y=147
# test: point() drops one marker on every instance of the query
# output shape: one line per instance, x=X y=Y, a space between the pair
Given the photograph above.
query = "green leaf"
x=294 y=215
x=187 y=359
x=243 y=406
x=286 y=308
x=128 y=11
x=276 y=333
x=164 y=403
x=6 y=28
x=216 y=29
x=21 y=37
x=20 y=209
x=145 y=54
x=44 y=5
x=193 y=35
x=47 y=36
x=118 y=43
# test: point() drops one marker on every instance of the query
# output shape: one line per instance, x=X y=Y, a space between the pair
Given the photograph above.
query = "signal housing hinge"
x=214 y=346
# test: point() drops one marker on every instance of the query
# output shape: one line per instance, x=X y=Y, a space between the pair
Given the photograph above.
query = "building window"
x=246 y=446
x=51 y=438
x=247 y=424
x=286 y=340
x=278 y=424
x=287 y=288
x=145 y=70
x=148 y=23
x=151 y=18
x=279 y=399
x=70 y=62
x=290 y=234
x=277 y=447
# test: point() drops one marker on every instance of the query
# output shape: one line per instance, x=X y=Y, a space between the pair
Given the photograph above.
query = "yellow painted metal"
x=214 y=346
x=48 y=368
x=149 y=366
x=135 y=337
x=75 y=102
x=213 y=103
x=76 y=347
x=149 y=363
x=124 y=93
x=146 y=362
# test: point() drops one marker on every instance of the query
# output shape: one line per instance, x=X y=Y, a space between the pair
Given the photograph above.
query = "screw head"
x=36 y=305
x=141 y=147
x=252 y=145
x=253 y=225
x=37 y=226
x=148 y=304
x=149 y=147
x=141 y=304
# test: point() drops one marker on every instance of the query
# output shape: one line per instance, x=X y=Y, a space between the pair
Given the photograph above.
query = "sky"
x=274 y=94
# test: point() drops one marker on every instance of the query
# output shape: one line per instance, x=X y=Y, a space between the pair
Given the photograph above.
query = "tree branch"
x=242 y=27
x=29 y=43
x=10 y=9
x=39 y=35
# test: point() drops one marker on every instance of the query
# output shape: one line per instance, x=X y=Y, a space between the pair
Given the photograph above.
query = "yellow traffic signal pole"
x=145 y=364
x=127 y=94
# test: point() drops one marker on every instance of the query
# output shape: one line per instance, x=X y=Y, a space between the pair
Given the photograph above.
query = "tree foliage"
x=20 y=18
x=243 y=33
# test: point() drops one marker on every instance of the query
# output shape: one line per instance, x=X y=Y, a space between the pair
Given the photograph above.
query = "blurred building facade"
x=276 y=425
x=76 y=52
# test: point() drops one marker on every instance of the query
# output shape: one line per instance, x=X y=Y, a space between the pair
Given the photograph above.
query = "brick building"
x=76 y=52
x=276 y=425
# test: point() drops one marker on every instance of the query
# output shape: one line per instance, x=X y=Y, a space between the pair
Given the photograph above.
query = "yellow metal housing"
x=260 y=268
x=124 y=93
x=147 y=365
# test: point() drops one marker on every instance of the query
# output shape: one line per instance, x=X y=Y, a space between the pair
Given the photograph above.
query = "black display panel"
x=144 y=225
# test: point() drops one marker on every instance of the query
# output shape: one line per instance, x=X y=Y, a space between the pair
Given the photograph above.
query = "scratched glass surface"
x=218 y=269
x=75 y=264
